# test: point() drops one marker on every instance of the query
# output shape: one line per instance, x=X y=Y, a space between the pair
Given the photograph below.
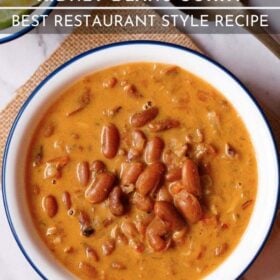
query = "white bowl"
x=12 y=33
x=16 y=148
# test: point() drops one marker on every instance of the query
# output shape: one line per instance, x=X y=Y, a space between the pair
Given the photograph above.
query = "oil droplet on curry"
x=141 y=169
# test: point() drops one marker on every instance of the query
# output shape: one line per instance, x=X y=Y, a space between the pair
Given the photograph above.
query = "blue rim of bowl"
x=147 y=42
x=11 y=37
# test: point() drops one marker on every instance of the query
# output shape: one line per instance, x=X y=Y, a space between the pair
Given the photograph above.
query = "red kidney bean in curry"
x=141 y=169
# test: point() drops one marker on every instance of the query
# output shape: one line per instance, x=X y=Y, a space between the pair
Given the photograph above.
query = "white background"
x=248 y=59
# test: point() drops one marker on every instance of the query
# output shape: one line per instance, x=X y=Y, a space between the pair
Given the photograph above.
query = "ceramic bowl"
x=13 y=33
x=46 y=93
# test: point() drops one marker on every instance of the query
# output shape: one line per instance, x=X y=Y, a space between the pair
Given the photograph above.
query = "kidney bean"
x=85 y=223
x=118 y=235
x=131 y=233
x=169 y=157
x=107 y=222
x=130 y=172
x=142 y=222
x=50 y=205
x=66 y=199
x=154 y=150
x=143 y=203
x=164 y=195
x=189 y=206
x=174 y=174
x=83 y=174
x=168 y=213
x=140 y=119
x=190 y=178
x=138 y=143
x=157 y=235
x=163 y=125
x=132 y=91
x=138 y=140
x=97 y=166
x=99 y=190
x=54 y=166
x=129 y=229
x=84 y=218
x=110 y=141
x=117 y=201
x=150 y=178
x=51 y=171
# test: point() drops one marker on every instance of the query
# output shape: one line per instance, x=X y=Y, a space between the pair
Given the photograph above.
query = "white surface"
x=242 y=54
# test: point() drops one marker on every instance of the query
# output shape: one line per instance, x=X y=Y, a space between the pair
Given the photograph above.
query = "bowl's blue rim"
x=6 y=150
x=26 y=29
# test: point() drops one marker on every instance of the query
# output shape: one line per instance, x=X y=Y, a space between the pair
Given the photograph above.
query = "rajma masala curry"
x=141 y=170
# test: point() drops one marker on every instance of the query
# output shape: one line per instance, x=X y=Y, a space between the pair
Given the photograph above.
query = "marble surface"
x=248 y=59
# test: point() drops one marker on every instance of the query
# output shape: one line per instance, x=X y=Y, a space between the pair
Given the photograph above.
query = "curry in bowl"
x=141 y=169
